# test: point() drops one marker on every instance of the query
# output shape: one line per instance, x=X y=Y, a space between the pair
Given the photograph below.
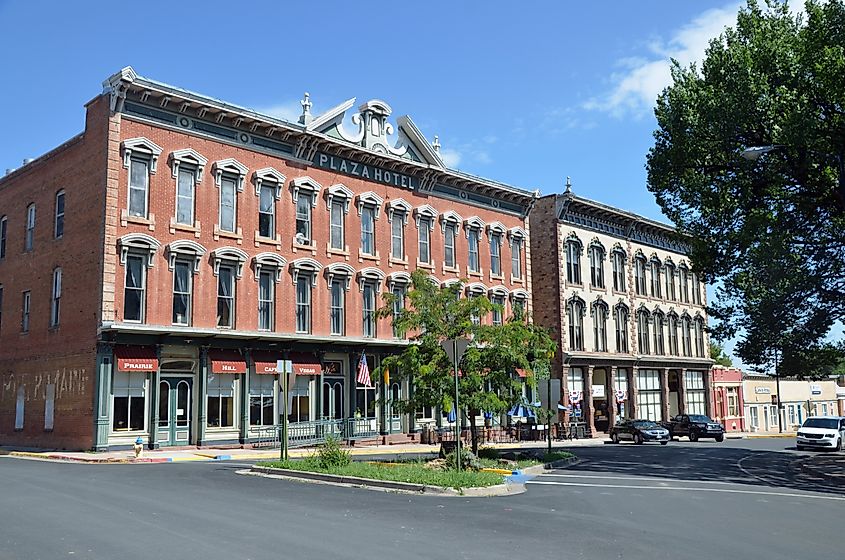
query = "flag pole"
x=285 y=410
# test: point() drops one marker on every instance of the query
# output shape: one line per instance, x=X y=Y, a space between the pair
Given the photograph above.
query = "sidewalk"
x=188 y=454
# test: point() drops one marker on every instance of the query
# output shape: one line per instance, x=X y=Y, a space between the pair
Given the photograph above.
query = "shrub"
x=469 y=462
x=488 y=453
x=331 y=455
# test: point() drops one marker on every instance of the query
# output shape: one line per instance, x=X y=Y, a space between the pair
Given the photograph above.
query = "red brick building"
x=154 y=268
x=727 y=399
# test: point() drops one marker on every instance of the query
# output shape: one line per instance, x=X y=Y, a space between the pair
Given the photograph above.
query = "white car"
x=822 y=432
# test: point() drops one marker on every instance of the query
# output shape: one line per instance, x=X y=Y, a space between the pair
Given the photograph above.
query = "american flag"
x=363 y=371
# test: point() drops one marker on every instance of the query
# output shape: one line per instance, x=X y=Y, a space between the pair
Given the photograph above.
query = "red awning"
x=136 y=358
x=266 y=362
x=227 y=361
x=306 y=364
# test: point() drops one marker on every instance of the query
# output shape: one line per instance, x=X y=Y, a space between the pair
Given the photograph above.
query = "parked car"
x=695 y=426
x=821 y=432
x=639 y=431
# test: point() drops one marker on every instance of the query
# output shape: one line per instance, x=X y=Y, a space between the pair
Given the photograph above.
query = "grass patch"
x=493 y=458
x=411 y=471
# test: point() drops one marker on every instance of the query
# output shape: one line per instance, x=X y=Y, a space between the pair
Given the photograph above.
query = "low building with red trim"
x=155 y=268
x=727 y=400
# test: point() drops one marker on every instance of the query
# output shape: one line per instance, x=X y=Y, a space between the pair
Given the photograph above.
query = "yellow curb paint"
x=208 y=455
x=497 y=471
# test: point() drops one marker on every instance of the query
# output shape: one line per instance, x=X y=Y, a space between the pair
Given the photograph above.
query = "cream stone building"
x=799 y=399
x=627 y=310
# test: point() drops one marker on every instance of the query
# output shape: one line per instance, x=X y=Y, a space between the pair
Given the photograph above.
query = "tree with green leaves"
x=718 y=355
x=487 y=380
x=748 y=163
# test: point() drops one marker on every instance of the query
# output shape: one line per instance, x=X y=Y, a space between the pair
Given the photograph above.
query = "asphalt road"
x=738 y=499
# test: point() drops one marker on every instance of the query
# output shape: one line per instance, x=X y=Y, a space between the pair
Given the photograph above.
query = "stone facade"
x=632 y=344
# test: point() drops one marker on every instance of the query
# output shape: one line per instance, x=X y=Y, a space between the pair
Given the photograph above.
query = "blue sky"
x=526 y=93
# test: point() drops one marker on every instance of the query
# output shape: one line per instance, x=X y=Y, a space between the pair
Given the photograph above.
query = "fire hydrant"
x=138 y=447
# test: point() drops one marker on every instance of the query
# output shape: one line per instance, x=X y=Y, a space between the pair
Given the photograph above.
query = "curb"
x=760 y=436
x=59 y=458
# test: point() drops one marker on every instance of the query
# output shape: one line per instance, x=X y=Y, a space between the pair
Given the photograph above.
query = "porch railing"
x=304 y=434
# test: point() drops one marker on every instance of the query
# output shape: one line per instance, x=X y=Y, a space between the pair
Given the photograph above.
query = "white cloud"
x=451 y=158
x=289 y=110
x=636 y=88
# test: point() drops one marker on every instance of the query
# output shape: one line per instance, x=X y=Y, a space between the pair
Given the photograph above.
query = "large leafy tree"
x=769 y=231
x=487 y=381
x=718 y=355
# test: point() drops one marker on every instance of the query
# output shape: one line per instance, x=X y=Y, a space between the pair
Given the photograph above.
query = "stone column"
x=611 y=395
x=243 y=435
x=632 y=392
x=708 y=388
x=102 y=402
x=588 y=400
x=202 y=397
x=664 y=393
x=155 y=381
x=682 y=391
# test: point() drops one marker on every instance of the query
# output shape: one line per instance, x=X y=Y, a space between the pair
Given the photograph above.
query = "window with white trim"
x=399 y=292
x=671 y=270
x=449 y=235
x=261 y=399
x=368 y=291
x=648 y=395
x=25 y=311
x=20 y=404
x=182 y=292
x=220 y=410
x=139 y=185
x=59 y=219
x=338 y=306
x=368 y=230
x=694 y=392
x=424 y=234
x=699 y=338
x=498 y=302
x=226 y=296
x=303 y=218
x=397 y=236
x=303 y=304
x=56 y=297
x=495 y=253
x=472 y=250
x=683 y=280
x=135 y=288
x=516 y=258
x=656 y=287
x=337 y=218
x=185 y=195
x=639 y=275
x=266 y=300
x=659 y=347
x=696 y=289
x=228 y=203
x=30 y=228
x=673 y=333
x=686 y=334
x=267 y=212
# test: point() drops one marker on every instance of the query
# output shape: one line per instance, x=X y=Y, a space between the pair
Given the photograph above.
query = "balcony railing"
x=315 y=432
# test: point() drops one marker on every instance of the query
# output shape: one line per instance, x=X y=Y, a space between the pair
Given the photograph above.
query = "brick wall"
x=62 y=355
x=545 y=271
x=162 y=206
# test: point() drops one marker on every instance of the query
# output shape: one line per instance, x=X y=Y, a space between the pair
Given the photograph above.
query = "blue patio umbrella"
x=451 y=416
x=522 y=410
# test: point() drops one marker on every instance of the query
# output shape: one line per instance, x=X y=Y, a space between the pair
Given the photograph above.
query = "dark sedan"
x=639 y=431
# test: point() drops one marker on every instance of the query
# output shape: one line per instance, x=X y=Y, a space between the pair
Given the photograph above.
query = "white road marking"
x=687 y=489
x=642 y=478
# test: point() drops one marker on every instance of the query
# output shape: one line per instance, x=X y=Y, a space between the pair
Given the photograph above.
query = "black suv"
x=695 y=426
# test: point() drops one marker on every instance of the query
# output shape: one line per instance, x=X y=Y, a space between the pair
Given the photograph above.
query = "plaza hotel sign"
x=364 y=171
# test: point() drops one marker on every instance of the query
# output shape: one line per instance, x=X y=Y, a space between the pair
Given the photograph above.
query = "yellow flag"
x=386 y=376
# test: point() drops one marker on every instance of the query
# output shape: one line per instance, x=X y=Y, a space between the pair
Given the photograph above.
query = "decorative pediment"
x=426 y=211
x=375 y=133
x=269 y=261
x=143 y=146
x=369 y=198
x=450 y=217
x=188 y=156
x=371 y=274
x=229 y=254
x=398 y=279
x=141 y=243
x=339 y=271
x=473 y=222
x=185 y=249
x=268 y=176
x=230 y=166
x=305 y=266
x=496 y=228
x=519 y=294
x=339 y=191
x=399 y=205
x=498 y=291
x=517 y=233
x=476 y=289
x=305 y=184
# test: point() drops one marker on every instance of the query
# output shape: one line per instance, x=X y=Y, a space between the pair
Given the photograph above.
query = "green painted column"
x=383 y=415
x=244 y=426
x=155 y=381
x=102 y=397
x=202 y=397
x=412 y=420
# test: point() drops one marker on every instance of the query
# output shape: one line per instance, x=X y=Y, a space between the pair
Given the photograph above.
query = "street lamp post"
x=777 y=394
x=753 y=153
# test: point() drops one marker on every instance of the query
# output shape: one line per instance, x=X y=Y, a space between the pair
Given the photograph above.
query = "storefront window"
x=221 y=401
x=694 y=389
x=365 y=402
x=648 y=395
x=261 y=400
x=129 y=403
x=300 y=402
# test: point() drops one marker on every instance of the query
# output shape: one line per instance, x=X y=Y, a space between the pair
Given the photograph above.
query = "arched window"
x=59 y=221
x=659 y=320
x=137 y=254
x=696 y=289
x=599 y=316
x=596 y=265
x=672 y=319
x=656 y=288
x=573 y=259
x=683 y=282
x=686 y=334
x=304 y=273
x=619 y=265
x=699 y=337
x=671 y=294
x=575 y=317
x=639 y=274
x=642 y=331
x=621 y=318
x=370 y=281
